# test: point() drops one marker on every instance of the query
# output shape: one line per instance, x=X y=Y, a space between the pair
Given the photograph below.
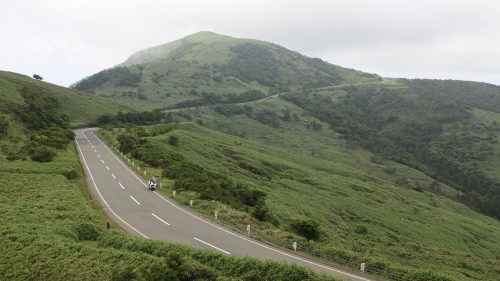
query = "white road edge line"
x=262 y=245
x=234 y=234
x=121 y=185
x=208 y=244
x=160 y=219
x=135 y=200
x=99 y=192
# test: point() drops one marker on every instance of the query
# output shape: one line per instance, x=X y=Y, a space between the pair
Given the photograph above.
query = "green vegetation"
x=50 y=229
x=344 y=210
x=207 y=68
x=120 y=76
x=425 y=125
x=188 y=175
x=353 y=168
x=81 y=108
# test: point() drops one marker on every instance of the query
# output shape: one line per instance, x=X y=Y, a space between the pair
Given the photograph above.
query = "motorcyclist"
x=152 y=182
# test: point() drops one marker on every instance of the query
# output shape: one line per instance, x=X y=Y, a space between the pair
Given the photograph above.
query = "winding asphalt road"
x=127 y=201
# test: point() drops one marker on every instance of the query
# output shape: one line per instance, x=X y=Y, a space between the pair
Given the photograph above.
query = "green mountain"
x=400 y=174
x=207 y=68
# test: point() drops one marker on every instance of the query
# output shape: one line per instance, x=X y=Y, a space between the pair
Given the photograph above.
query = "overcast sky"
x=67 y=40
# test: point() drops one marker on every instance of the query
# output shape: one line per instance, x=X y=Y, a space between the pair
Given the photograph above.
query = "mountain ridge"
x=206 y=66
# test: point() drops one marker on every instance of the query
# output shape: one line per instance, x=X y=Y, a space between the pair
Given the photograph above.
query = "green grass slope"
x=448 y=130
x=82 y=109
x=206 y=68
x=50 y=228
x=363 y=215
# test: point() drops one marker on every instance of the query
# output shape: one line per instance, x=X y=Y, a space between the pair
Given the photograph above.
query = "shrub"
x=87 y=231
x=360 y=229
x=71 y=174
x=173 y=140
x=309 y=229
x=42 y=154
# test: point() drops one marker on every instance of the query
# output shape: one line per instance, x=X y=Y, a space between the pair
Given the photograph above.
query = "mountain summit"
x=204 y=46
x=214 y=67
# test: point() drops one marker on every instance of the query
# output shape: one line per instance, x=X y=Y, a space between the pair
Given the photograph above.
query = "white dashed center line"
x=160 y=219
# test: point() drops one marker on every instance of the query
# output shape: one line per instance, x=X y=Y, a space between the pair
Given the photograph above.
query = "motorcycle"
x=152 y=186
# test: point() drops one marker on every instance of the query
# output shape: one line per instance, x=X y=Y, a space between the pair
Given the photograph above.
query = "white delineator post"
x=362 y=267
x=294 y=246
x=248 y=229
x=216 y=214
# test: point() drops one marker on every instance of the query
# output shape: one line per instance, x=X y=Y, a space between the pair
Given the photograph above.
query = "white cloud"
x=67 y=40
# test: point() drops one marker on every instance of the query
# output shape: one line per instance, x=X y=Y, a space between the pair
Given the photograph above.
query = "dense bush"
x=228 y=109
x=40 y=112
x=306 y=228
x=137 y=118
x=254 y=63
x=250 y=95
x=173 y=140
x=4 y=125
x=120 y=76
x=41 y=154
x=87 y=231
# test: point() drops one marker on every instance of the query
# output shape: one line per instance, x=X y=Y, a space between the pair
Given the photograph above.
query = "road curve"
x=125 y=198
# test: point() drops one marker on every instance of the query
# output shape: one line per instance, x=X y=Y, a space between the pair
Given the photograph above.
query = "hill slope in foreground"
x=50 y=230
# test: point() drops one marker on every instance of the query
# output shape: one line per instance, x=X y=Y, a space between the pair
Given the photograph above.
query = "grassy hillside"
x=446 y=129
x=207 y=68
x=81 y=108
x=50 y=229
x=363 y=216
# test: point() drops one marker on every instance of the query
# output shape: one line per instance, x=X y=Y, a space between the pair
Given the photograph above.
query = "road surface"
x=127 y=201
